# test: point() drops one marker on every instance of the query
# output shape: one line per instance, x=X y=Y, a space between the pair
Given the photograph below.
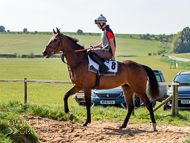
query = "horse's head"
x=54 y=44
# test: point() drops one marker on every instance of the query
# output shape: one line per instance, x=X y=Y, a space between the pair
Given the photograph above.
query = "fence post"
x=25 y=90
x=175 y=98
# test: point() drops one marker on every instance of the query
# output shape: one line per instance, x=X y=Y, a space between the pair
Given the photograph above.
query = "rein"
x=80 y=62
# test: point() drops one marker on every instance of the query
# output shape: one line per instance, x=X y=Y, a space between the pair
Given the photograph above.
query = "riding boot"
x=103 y=68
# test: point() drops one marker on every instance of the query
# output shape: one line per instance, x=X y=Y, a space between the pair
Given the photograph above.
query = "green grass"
x=46 y=99
x=97 y=113
x=187 y=140
x=20 y=129
x=27 y=43
x=54 y=69
x=184 y=55
x=180 y=63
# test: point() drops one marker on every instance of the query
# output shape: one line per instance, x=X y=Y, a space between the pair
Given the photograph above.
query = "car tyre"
x=166 y=107
x=153 y=103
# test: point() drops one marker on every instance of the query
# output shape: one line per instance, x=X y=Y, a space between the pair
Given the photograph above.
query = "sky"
x=123 y=16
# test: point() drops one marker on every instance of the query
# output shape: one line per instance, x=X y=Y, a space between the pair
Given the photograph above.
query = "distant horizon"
x=96 y=32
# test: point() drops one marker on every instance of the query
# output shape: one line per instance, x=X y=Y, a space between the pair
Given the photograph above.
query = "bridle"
x=57 y=46
x=64 y=53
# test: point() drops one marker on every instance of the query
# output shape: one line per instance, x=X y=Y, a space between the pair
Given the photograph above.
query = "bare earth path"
x=52 y=131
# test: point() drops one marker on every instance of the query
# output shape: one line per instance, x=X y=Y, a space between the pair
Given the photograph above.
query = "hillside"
x=127 y=49
x=35 y=43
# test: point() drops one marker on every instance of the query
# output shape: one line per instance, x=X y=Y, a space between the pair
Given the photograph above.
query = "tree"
x=80 y=32
x=31 y=55
x=2 y=28
x=25 y=30
x=181 y=43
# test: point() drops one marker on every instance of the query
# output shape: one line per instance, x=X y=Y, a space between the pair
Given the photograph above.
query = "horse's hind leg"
x=73 y=90
x=87 y=92
x=148 y=105
x=128 y=94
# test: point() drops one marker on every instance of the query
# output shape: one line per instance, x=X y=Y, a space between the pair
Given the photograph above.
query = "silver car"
x=183 y=92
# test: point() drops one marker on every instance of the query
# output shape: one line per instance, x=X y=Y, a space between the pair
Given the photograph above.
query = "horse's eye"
x=55 y=40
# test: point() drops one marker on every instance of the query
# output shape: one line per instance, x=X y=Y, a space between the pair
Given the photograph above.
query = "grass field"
x=54 y=69
x=49 y=96
x=27 y=43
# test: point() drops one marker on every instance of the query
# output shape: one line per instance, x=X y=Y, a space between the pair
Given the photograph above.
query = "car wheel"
x=137 y=101
x=153 y=103
x=166 y=107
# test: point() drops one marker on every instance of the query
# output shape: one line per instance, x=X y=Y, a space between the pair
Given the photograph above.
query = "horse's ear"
x=58 y=31
x=54 y=31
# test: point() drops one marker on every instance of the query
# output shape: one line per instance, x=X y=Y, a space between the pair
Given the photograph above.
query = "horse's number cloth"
x=112 y=65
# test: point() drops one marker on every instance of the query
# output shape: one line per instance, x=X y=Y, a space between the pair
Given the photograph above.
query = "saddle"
x=112 y=65
x=94 y=67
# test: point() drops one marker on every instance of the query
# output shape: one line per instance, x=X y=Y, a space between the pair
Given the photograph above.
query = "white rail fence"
x=174 y=96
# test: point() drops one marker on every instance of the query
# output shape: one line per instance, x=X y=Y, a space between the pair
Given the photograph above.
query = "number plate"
x=107 y=102
x=185 y=101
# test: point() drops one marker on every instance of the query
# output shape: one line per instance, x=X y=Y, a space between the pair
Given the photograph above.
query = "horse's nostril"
x=44 y=53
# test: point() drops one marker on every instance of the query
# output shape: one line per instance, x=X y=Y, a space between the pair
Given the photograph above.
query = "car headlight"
x=121 y=94
x=169 y=93
x=93 y=94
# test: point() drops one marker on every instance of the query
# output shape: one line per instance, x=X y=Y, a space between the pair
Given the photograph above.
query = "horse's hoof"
x=71 y=117
x=154 y=127
x=84 y=125
x=155 y=130
x=123 y=126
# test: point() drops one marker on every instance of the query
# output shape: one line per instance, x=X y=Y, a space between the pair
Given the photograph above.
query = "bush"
x=159 y=52
x=24 y=56
x=31 y=55
x=7 y=56
x=154 y=53
x=149 y=54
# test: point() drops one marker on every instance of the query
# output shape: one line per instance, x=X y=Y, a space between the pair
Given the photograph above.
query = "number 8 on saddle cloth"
x=112 y=65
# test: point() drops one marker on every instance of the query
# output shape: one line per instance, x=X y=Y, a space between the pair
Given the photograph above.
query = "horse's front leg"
x=73 y=90
x=87 y=92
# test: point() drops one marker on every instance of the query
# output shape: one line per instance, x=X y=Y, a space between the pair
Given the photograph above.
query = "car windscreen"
x=182 y=78
x=158 y=78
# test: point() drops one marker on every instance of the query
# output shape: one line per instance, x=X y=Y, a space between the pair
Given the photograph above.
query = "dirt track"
x=52 y=131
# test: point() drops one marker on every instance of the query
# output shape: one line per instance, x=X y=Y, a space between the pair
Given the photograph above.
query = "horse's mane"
x=75 y=40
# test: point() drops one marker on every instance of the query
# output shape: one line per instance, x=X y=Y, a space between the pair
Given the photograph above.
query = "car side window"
x=158 y=78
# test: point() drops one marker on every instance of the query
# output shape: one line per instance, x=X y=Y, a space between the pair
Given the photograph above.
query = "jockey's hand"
x=112 y=58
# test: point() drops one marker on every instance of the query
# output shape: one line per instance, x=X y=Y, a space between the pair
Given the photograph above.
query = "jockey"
x=106 y=47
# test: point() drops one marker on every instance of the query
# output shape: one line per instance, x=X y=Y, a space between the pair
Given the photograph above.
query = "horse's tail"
x=153 y=87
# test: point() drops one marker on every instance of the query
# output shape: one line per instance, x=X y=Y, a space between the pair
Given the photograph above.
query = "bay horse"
x=131 y=76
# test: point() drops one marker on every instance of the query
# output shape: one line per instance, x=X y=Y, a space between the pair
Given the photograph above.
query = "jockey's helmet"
x=101 y=18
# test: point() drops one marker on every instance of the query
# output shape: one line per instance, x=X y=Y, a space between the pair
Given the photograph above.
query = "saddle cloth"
x=112 y=65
